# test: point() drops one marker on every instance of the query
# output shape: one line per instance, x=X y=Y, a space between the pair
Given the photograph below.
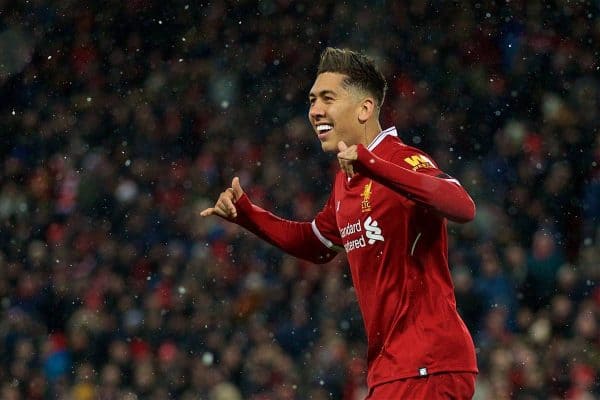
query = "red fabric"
x=456 y=386
x=295 y=238
x=444 y=195
x=397 y=252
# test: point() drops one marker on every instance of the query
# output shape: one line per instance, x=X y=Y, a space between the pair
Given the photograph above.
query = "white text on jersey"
x=372 y=232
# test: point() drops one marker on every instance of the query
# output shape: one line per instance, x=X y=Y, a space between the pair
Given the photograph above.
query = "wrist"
x=363 y=155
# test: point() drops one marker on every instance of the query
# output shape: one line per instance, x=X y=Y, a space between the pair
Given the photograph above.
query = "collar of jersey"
x=389 y=131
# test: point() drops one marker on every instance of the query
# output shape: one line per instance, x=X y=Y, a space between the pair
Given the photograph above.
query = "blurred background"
x=120 y=121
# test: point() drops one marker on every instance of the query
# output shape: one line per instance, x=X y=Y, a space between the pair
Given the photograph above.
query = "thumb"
x=342 y=146
x=237 y=188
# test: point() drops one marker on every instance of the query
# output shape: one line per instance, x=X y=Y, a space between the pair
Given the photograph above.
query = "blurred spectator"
x=121 y=121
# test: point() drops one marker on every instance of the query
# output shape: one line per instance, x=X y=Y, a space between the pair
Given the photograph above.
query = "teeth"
x=322 y=128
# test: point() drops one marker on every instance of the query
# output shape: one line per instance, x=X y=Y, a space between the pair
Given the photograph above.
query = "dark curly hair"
x=361 y=71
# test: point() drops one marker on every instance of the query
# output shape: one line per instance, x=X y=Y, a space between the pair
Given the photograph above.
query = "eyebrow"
x=322 y=93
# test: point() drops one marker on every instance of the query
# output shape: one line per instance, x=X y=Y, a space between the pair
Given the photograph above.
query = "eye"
x=328 y=99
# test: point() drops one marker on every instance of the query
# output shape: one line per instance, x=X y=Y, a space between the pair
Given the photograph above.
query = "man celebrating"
x=388 y=211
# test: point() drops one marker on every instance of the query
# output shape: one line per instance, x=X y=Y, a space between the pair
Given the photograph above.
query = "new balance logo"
x=372 y=230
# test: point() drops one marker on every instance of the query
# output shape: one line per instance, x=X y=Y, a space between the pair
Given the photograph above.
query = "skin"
x=355 y=118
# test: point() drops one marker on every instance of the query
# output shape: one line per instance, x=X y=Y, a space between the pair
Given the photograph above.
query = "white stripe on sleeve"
x=322 y=238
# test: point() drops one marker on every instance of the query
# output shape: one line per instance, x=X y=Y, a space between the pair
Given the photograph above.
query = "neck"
x=372 y=128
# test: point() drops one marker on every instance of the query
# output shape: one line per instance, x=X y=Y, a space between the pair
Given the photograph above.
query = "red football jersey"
x=389 y=218
x=397 y=251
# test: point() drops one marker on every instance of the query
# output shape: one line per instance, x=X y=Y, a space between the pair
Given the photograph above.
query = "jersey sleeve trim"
x=449 y=178
x=323 y=239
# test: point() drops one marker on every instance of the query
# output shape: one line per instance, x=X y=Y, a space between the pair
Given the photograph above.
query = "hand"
x=225 y=205
x=346 y=157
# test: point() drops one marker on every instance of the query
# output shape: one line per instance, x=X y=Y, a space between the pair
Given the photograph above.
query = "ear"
x=366 y=109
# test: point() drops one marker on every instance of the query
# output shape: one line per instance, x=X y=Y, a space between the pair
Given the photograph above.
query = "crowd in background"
x=120 y=121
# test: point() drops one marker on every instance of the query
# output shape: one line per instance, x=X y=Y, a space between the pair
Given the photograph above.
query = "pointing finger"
x=207 y=212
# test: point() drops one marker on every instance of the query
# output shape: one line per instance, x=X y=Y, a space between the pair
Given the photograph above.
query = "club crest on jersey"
x=419 y=161
x=365 y=204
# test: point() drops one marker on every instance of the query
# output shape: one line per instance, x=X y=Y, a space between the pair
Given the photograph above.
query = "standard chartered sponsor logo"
x=355 y=244
x=372 y=231
x=350 y=229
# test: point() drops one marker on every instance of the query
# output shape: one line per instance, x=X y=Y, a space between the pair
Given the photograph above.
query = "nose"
x=316 y=110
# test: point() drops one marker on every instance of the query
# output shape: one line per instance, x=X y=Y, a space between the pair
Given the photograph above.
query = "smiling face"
x=335 y=111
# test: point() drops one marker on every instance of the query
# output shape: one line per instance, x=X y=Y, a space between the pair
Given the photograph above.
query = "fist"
x=346 y=156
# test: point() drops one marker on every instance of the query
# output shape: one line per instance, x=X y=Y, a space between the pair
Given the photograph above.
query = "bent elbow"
x=472 y=210
x=467 y=213
x=470 y=216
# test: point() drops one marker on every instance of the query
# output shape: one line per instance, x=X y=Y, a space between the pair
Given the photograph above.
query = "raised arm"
x=296 y=238
x=440 y=191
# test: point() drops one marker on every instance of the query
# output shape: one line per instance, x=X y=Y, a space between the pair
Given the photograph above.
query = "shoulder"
x=407 y=156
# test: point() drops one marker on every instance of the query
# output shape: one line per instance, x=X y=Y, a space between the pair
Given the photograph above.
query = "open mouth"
x=324 y=128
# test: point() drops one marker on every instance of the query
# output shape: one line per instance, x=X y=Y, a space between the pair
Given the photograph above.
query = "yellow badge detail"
x=419 y=161
x=365 y=204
